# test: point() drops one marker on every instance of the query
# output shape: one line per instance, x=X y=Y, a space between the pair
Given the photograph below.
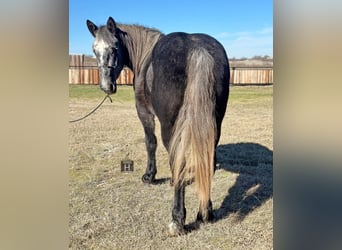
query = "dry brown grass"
x=114 y=210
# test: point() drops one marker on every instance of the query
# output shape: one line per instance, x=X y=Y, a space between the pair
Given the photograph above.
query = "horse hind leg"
x=176 y=227
x=206 y=214
x=205 y=211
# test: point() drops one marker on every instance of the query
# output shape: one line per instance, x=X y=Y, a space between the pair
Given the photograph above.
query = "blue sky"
x=244 y=27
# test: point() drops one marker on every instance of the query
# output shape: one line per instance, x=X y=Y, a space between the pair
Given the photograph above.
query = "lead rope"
x=79 y=119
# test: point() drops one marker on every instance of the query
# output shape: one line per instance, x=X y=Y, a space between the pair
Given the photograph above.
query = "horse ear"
x=111 y=25
x=92 y=27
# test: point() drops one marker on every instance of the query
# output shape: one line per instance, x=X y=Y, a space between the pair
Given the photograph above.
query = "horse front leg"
x=151 y=146
x=147 y=120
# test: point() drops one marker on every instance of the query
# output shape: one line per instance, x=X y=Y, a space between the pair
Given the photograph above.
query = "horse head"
x=108 y=50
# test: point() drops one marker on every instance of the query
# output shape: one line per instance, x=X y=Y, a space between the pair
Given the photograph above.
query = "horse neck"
x=139 y=42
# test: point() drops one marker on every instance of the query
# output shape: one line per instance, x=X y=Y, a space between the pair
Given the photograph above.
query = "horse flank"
x=193 y=143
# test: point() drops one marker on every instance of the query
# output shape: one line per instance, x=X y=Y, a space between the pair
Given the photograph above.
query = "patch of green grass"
x=241 y=93
x=123 y=94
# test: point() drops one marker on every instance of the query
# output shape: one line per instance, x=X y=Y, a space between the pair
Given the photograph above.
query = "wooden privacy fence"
x=81 y=73
x=89 y=75
x=85 y=71
x=251 y=75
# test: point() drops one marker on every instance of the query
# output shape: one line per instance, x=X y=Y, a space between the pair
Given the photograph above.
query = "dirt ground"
x=110 y=209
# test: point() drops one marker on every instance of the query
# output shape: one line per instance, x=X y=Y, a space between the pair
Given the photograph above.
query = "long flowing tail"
x=192 y=146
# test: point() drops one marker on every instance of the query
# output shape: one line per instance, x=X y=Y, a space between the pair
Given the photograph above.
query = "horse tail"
x=192 y=146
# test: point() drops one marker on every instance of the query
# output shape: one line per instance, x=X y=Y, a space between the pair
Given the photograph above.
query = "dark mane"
x=139 y=41
x=139 y=27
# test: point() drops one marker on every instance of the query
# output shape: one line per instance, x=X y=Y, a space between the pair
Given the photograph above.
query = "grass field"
x=114 y=210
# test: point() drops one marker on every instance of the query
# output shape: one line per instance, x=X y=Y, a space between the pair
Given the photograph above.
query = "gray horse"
x=183 y=79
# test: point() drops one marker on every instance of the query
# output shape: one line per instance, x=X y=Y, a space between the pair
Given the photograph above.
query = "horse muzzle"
x=109 y=88
x=108 y=82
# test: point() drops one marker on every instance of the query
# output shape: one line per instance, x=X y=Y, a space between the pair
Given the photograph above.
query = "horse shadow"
x=254 y=184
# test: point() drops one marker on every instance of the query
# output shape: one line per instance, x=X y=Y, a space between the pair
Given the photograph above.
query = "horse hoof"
x=175 y=230
x=209 y=218
x=146 y=178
